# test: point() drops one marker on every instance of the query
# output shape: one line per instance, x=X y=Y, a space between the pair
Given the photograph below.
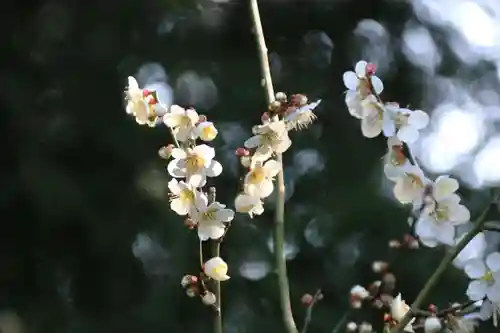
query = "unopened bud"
x=209 y=298
x=378 y=304
x=145 y=92
x=242 y=152
x=387 y=317
x=371 y=69
x=432 y=325
x=386 y=299
x=165 y=152
x=265 y=117
x=379 y=266
x=192 y=291
x=307 y=299
x=432 y=308
x=281 y=97
x=319 y=297
x=351 y=326
x=359 y=292
x=299 y=100
x=202 y=118
x=187 y=280
x=374 y=287
x=190 y=223
x=356 y=304
x=246 y=161
x=413 y=244
x=275 y=105
x=389 y=279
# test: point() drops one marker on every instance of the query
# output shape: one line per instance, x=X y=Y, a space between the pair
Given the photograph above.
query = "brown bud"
x=307 y=299
x=190 y=223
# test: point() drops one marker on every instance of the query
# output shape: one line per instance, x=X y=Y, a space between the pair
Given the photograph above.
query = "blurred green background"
x=88 y=243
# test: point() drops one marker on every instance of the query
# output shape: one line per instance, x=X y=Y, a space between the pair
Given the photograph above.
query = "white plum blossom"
x=195 y=164
x=486 y=278
x=395 y=160
x=182 y=121
x=216 y=268
x=359 y=84
x=403 y=123
x=473 y=250
x=140 y=103
x=437 y=223
x=182 y=196
x=372 y=117
x=268 y=138
x=210 y=218
x=301 y=117
x=259 y=180
x=248 y=204
x=410 y=185
x=399 y=308
x=206 y=131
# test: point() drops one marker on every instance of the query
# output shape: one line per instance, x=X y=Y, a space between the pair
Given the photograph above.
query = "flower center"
x=186 y=196
x=257 y=175
x=219 y=269
x=185 y=121
x=415 y=180
x=401 y=120
x=267 y=139
x=441 y=213
x=194 y=163
x=210 y=215
x=489 y=278
x=208 y=132
x=364 y=87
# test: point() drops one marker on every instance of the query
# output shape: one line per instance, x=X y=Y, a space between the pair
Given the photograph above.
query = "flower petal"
x=175 y=170
x=252 y=142
x=418 y=119
x=225 y=215
x=178 y=206
x=377 y=84
x=444 y=186
x=214 y=169
x=360 y=68
x=351 y=81
x=477 y=290
x=475 y=269
x=408 y=134
x=493 y=261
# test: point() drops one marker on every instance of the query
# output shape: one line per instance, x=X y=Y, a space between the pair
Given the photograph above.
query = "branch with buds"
x=436 y=209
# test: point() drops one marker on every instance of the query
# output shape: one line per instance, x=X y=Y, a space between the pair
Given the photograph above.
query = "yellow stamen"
x=257 y=175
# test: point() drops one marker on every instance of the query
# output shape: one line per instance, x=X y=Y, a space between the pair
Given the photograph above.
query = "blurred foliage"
x=81 y=181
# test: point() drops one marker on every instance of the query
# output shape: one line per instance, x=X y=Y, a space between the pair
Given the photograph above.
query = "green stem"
x=215 y=245
x=279 y=219
x=433 y=280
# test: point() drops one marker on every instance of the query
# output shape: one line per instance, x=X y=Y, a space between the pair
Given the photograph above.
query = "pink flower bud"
x=307 y=299
x=371 y=69
x=145 y=92
x=265 y=117
x=242 y=152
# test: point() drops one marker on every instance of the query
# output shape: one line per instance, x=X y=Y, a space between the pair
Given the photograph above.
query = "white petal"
x=432 y=325
x=192 y=115
x=262 y=190
x=174 y=170
x=178 y=206
x=132 y=83
x=210 y=230
x=225 y=215
x=476 y=290
x=262 y=153
x=214 y=169
x=282 y=145
x=445 y=233
x=377 y=84
x=253 y=142
x=408 y=134
x=350 y=80
x=475 y=269
x=459 y=214
x=353 y=102
x=493 y=292
x=371 y=126
x=197 y=179
x=418 y=119
x=444 y=186
x=425 y=228
x=173 y=186
x=389 y=127
x=183 y=134
x=272 y=168
x=360 y=68
x=178 y=153
x=200 y=201
x=493 y=261
x=205 y=152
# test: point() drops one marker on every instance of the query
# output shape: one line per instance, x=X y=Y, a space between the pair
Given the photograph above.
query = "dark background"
x=87 y=240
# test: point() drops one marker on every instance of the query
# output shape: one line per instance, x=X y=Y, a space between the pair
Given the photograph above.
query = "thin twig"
x=279 y=234
x=433 y=280
x=215 y=244
x=309 y=310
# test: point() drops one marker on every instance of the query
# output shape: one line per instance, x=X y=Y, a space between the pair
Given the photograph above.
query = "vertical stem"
x=433 y=280
x=215 y=244
x=279 y=234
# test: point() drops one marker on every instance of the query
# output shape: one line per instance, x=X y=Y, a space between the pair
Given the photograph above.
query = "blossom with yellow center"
x=247 y=204
x=269 y=138
x=182 y=121
x=216 y=268
x=259 y=181
x=485 y=275
x=210 y=218
x=206 y=131
x=182 y=196
x=410 y=184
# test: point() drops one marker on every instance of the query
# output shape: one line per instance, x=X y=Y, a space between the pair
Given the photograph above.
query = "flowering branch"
x=447 y=260
x=310 y=302
x=279 y=235
x=216 y=284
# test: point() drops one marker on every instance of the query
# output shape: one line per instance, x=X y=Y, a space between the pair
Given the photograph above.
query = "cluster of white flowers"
x=270 y=138
x=436 y=202
x=190 y=164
